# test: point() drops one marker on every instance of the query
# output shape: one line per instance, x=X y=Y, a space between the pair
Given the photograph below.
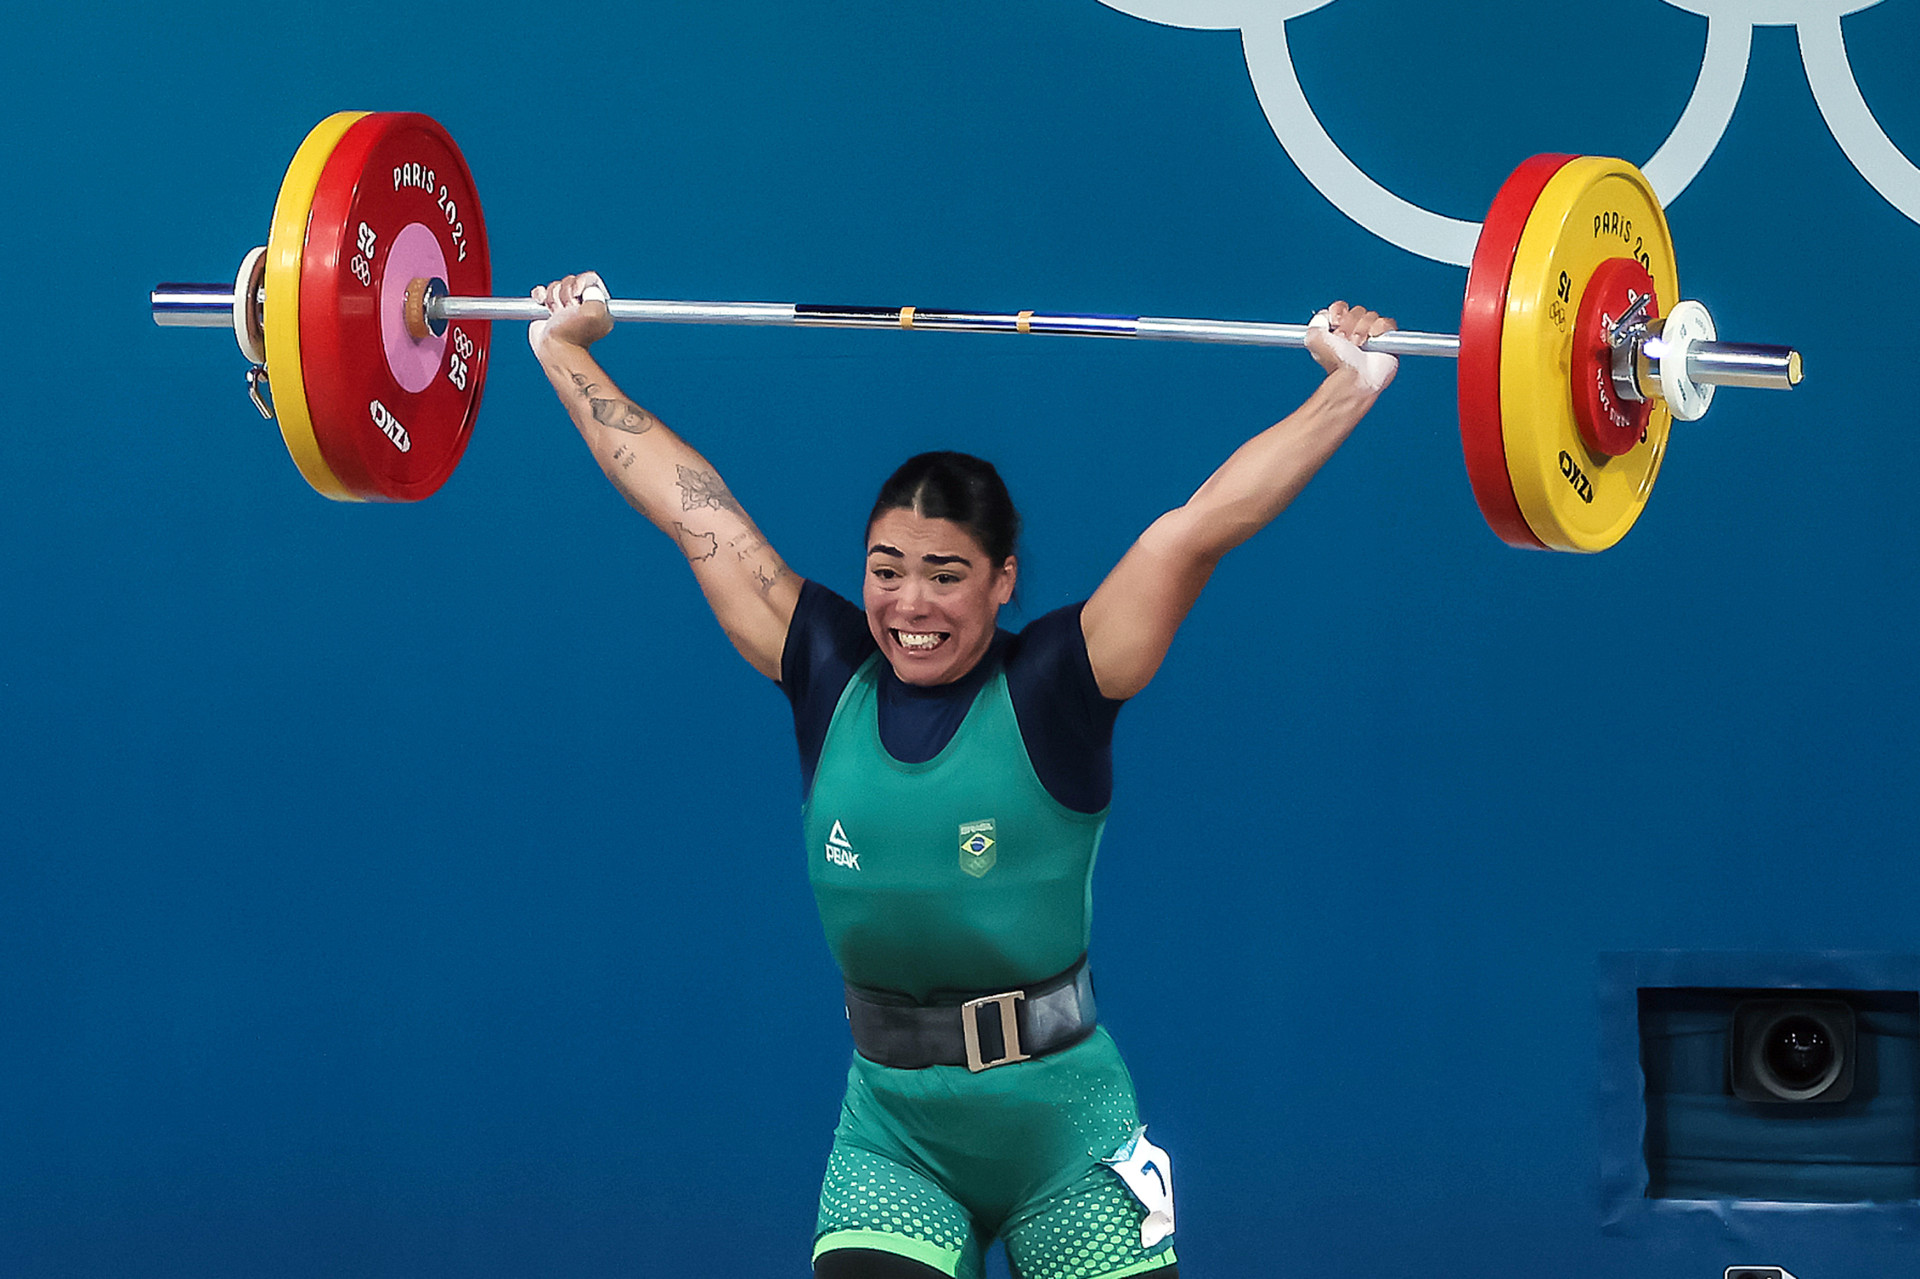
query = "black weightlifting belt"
x=978 y=1033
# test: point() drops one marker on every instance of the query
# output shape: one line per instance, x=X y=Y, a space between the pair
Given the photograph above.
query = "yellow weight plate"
x=1573 y=498
x=286 y=242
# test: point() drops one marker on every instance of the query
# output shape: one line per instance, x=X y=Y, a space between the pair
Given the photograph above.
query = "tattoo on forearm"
x=622 y=415
x=762 y=561
x=751 y=549
x=699 y=547
x=766 y=578
x=705 y=489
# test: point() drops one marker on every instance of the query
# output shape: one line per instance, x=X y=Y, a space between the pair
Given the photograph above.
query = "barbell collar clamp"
x=418 y=311
x=1632 y=319
x=1626 y=340
x=1628 y=332
x=256 y=384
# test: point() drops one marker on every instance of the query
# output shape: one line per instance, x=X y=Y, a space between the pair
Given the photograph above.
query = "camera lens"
x=1791 y=1050
x=1798 y=1051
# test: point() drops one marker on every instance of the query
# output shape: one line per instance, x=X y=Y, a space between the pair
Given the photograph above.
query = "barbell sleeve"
x=1772 y=368
x=192 y=306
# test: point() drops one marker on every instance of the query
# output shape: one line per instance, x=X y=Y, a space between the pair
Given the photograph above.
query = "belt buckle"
x=1009 y=1029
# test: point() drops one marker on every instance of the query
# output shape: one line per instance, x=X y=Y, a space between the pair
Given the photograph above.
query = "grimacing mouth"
x=923 y=641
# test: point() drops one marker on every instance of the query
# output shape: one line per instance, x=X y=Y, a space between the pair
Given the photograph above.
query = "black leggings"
x=871 y=1263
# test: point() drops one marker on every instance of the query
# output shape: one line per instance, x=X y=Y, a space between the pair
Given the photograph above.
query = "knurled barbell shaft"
x=1712 y=363
x=1233 y=332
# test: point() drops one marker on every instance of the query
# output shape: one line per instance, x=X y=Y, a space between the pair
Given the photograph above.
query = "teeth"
x=910 y=639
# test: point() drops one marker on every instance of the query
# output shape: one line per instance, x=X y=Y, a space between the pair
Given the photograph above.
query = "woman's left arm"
x=1131 y=620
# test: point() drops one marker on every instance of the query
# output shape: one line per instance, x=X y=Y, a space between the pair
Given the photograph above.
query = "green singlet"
x=940 y=881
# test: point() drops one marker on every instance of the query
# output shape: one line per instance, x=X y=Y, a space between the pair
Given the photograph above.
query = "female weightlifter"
x=957 y=781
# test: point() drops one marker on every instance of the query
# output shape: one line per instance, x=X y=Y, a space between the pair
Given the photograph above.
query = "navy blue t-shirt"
x=1066 y=723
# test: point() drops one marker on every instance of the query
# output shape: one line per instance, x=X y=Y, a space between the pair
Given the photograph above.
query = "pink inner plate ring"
x=414 y=255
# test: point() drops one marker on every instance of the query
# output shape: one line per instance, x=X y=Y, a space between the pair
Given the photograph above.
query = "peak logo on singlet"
x=840 y=848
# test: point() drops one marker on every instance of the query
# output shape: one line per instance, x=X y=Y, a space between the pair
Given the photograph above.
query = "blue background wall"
x=368 y=874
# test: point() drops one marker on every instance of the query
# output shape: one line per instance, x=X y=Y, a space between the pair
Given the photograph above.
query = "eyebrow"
x=881 y=548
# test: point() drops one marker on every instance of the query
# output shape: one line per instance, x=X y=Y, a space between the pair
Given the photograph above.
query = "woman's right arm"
x=749 y=587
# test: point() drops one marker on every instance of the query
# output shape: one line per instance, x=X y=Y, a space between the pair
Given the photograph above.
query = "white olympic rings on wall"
x=1723 y=74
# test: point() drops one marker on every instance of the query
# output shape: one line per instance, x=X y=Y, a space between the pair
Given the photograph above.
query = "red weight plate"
x=1609 y=424
x=395 y=200
x=1481 y=318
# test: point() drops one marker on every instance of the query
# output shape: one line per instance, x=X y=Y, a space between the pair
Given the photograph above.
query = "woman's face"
x=931 y=596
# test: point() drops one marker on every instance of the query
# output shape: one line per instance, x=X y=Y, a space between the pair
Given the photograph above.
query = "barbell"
x=366 y=314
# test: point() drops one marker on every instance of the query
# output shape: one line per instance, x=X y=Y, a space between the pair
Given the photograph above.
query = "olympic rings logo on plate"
x=1723 y=74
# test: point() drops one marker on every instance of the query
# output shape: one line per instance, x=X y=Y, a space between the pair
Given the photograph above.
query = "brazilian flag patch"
x=977 y=847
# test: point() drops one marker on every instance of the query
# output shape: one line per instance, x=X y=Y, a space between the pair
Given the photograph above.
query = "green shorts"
x=935 y=1164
